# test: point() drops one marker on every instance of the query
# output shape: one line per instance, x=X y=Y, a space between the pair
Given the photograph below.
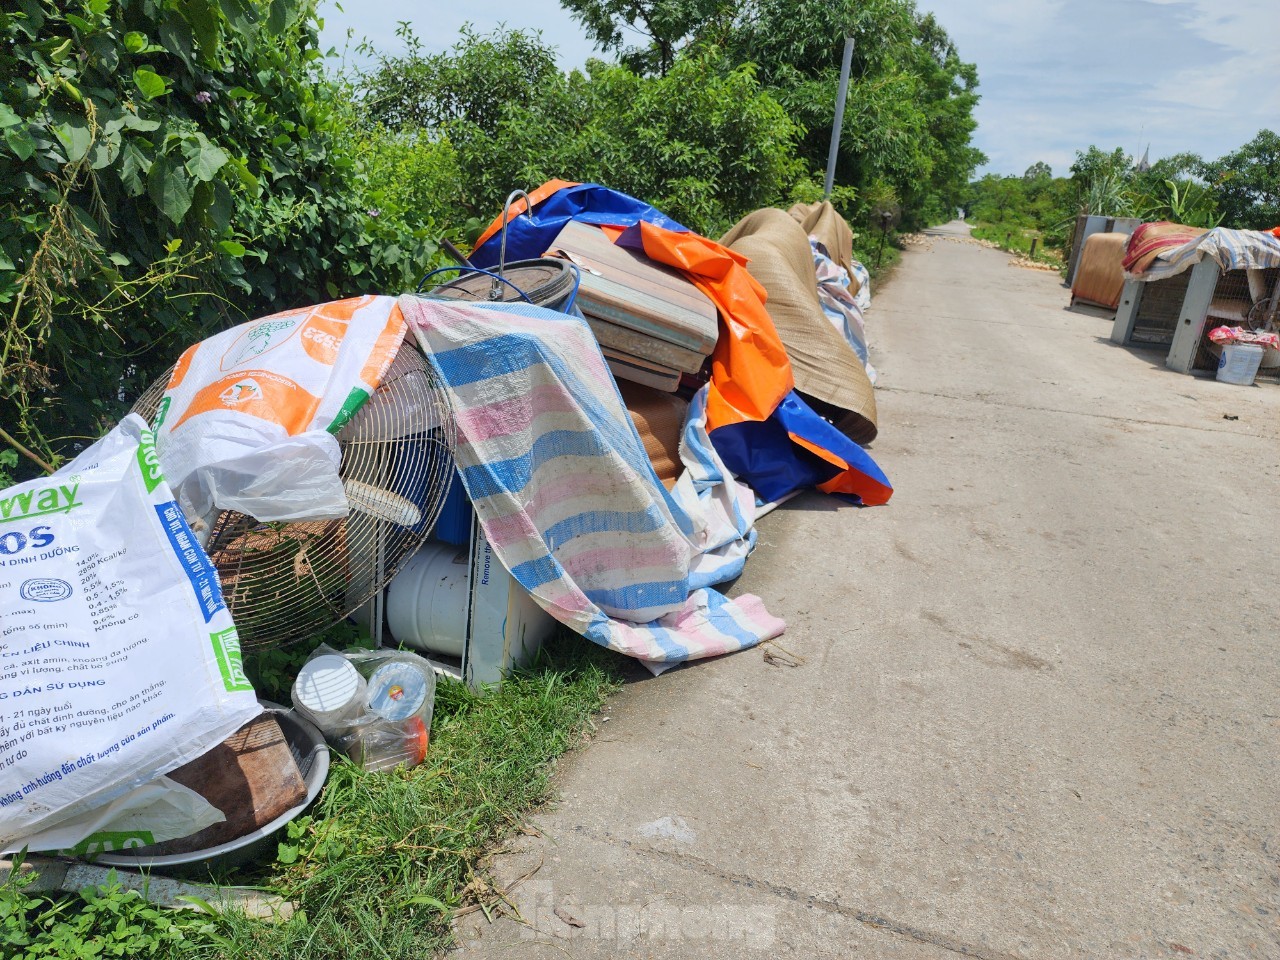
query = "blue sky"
x=1057 y=75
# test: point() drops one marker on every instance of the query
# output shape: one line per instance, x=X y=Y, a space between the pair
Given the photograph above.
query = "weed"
x=105 y=921
x=381 y=861
x=1016 y=239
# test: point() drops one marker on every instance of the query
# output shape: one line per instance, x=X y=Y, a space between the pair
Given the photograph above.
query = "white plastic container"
x=427 y=602
x=1239 y=363
x=330 y=693
x=399 y=690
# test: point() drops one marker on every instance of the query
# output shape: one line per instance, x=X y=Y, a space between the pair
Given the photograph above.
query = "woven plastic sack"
x=118 y=658
x=248 y=417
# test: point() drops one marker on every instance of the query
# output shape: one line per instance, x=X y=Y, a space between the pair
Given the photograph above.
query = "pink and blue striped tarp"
x=561 y=483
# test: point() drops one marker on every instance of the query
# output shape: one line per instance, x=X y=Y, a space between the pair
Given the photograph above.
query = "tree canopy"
x=170 y=167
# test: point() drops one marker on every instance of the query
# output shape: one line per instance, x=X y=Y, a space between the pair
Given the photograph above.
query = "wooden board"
x=637 y=370
x=251 y=777
x=627 y=289
x=624 y=340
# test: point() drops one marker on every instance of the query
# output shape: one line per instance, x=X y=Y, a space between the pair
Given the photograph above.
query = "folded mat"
x=827 y=371
x=1100 y=274
x=820 y=221
x=626 y=366
x=1151 y=239
x=625 y=288
x=659 y=419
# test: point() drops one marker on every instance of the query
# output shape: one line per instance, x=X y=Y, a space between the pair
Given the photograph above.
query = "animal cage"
x=1233 y=296
x=1149 y=312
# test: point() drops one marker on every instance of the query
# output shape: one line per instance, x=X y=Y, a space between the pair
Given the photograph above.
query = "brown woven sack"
x=820 y=221
x=828 y=374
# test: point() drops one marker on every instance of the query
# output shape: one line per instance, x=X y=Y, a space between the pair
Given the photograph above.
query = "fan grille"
x=286 y=582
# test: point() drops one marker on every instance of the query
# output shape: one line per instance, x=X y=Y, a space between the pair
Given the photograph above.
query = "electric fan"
x=284 y=582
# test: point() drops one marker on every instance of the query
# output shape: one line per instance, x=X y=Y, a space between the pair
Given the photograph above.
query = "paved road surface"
x=1036 y=715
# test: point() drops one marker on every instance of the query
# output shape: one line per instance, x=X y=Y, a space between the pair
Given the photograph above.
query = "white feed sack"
x=248 y=419
x=118 y=659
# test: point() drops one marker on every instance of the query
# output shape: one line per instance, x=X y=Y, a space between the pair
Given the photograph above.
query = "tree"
x=1247 y=183
x=997 y=199
x=166 y=168
x=1102 y=181
x=1038 y=171
x=909 y=116
x=481 y=79
x=703 y=143
x=664 y=24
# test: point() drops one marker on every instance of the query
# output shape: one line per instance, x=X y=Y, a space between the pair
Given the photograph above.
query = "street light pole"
x=839 y=121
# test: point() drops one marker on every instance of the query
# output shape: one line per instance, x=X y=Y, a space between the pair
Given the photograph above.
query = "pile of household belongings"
x=1158 y=251
x=568 y=490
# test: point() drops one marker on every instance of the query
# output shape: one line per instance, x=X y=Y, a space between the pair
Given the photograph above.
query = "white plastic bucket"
x=329 y=692
x=1239 y=363
x=427 y=601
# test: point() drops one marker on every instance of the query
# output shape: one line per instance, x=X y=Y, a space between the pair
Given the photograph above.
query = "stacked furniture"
x=652 y=324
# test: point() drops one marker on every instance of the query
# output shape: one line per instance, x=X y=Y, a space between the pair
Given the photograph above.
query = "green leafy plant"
x=98 y=922
x=167 y=167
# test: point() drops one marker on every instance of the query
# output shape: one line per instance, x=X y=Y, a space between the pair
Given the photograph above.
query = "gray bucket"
x=312 y=755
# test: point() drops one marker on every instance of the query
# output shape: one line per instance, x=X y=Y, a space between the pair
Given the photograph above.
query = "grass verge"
x=1017 y=239
x=381 y=861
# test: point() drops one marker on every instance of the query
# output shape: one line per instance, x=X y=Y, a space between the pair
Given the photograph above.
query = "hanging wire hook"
x=495 y=288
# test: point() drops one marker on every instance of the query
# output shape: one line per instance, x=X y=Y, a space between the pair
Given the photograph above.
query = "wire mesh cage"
x=286 y=581
x=1159 y=309
x=1234 y=296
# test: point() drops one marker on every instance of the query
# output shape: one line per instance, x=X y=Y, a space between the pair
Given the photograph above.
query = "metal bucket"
x=312 y=756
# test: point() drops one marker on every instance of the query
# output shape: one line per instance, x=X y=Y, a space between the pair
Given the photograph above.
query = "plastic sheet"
x=246 y=420
x=388 y=724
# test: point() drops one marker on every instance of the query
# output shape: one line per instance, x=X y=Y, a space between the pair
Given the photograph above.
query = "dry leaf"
x=568 y=917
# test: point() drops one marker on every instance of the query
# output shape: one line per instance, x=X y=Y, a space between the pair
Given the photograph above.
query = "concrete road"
x=1035 y=712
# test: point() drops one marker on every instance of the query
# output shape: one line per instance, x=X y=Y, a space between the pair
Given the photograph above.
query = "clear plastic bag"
x=375 y=707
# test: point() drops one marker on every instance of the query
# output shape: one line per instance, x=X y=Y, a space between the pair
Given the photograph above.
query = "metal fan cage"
x=1233 y=305
x=284 y=582
x=1160 y=309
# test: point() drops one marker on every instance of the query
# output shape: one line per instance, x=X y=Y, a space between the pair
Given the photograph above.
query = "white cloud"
x=1058 y=76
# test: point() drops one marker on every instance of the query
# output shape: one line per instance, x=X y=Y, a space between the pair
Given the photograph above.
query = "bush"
x=167 y=167
x=704 y=144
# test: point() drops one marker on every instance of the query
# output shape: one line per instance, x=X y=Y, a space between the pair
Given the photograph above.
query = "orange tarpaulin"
x=750 y=370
